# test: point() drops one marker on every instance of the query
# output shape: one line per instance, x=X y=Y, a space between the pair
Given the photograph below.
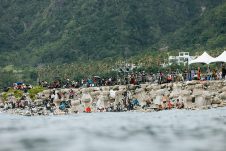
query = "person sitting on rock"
x=101 y=109
x=149 y=102
x=130 y=105
x=53 y=107
x=88 y=110
x=119 y=107
x=110 y=107
x=48 y=106
x=219 y=75
x=164 y=101
x=71 y=94
x=179 y=105
x=62 y=106
x=169 y=105
x=169 y=78
x=182 y=105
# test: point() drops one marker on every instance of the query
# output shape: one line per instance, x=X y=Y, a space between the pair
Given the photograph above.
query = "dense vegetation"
x=37 y=33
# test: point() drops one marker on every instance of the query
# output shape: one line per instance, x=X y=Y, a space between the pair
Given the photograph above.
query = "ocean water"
x=175 y=130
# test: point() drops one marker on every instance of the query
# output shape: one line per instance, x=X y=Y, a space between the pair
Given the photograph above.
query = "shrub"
x=34 y=91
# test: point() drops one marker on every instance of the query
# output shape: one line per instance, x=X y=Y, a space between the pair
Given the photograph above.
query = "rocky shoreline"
x=120 y=98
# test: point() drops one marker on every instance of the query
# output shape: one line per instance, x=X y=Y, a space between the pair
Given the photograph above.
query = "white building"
x=183 y=58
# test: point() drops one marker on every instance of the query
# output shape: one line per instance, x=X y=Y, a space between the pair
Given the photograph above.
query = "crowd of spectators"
x=137 y=78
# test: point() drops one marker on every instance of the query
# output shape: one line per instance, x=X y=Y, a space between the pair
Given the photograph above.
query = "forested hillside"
x=63 y=31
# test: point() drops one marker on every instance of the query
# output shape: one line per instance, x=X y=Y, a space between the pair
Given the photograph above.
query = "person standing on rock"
x=199 y=73
x=160 y=77
x=208 y=73
x=214 y=74
x=223 y=72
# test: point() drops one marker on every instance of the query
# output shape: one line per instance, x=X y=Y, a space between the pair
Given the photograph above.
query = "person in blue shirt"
x=135 y=102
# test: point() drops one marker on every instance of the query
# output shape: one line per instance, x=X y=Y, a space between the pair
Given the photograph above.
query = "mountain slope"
x=207 y=32
x=63 y=31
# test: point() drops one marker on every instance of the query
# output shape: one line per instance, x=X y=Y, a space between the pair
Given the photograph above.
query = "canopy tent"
x=204 y=58
x=19 y=83
x=221 y=58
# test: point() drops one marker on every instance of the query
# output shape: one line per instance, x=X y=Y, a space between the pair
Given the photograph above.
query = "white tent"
x=221 y=58
x=204 y=58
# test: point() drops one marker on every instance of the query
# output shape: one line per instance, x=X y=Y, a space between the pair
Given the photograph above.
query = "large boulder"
x=192 y=82
x=65 y=90
x=143 y=85
x=216 y=100
x=223 y=96
x=188 y=101
x=175 y=93
x=157 y=100
x=185 y=92
x=105 y=88
x=1 y=105
x=201 y=101
x=96 y=88
x=119 y=92
x=46 y=92
x=101 y=102
x=197 y=92
x=149 y=88
x=86 y=98
x=152 y=94
x=75 y=102
x=177 y=85
x=118 y=98
x=122 y=87
x=223 y=89
x=105 y=93
x=170 y=85
x=38 y=101
x=112 y=94
x=115 y=87
x=132 y=87
x=199 y=86
x=139 y=90
x=156 y=86
x=162 y=92
x=95 y=93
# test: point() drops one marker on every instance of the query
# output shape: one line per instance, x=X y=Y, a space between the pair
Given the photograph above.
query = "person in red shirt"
x=88 y=110
x=170 y=105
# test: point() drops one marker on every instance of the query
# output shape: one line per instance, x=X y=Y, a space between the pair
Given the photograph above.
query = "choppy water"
x=176 y=130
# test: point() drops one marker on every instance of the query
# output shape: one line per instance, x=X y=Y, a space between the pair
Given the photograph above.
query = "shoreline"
x=23 y=112
x=191 y=95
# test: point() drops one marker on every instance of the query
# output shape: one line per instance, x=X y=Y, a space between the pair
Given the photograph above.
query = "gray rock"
x=223 y=96
x=200 y=101
x=27 y=113
x=199 y=86
x=216 y=100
